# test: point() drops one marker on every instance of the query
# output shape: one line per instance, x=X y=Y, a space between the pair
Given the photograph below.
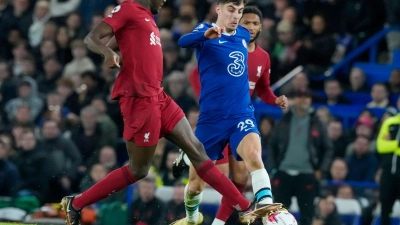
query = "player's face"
x=252 y=23
x=229 y=15
x=156 y=5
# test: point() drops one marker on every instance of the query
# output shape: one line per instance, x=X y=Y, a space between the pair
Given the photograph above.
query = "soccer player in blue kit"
x=226 y=112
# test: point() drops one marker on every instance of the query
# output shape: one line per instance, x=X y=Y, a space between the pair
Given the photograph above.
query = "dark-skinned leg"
x=139 y=163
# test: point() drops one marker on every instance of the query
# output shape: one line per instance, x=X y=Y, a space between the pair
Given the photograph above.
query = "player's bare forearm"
x=93 y=39
x=113 y=44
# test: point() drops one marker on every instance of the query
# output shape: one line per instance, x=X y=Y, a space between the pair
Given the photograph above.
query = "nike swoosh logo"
x=221 y=42
x=68 y=206
x=147 y=20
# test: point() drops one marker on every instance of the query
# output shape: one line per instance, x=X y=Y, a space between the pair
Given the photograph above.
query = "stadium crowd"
x=60 y=132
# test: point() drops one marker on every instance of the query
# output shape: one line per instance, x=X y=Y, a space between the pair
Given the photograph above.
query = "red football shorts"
x=148 y=119
x=227 y=151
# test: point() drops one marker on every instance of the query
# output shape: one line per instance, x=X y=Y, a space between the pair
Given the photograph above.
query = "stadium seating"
x=349 y=210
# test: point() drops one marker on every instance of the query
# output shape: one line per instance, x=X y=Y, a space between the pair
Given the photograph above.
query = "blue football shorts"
x=217 y=131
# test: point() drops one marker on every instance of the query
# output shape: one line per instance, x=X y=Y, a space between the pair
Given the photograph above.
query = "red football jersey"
x=259 y=67
x=138 y=39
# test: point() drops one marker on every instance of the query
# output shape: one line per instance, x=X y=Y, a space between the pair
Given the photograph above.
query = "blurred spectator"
x=96 y=173
x=76 y=30
x=27 y=94
x=114 y=110
x=5 y=10
x=337 y=137
x=8 y=89
x=389 y=150
x=9 y=144
x=171 y=59
x=17 y=130
x=393 y=19
x=89 y=137
x=334 y=93
x=55 y=110
x=65 y=157
x=175 y=85
x=147 y=209
x=176 y=207
x=357 y=81
x=165 y=18
x=266 y=127
x=166 y=175
x=318 y=47
x=106 y=123
x=380 y=96
x=300 y=152
x=338 y=171
x=47 y=82
x=59 y=9
x=274 y=13
x=298 y=82
x=64 y=53
x=81 y=62
x=361 y=162
x=284 y=54
x=364 y=127
x=23 y=115
x=65 y=87
x=9 y=174
x=34 y=167
x=92 y=85
x=394 y=82
x=21 y=15
x=28 y=68
x=108 y=158
x=19 y=53
x=47 y=50
x=49 y=31
x=326 y=213
x=90 y=7
x=14 y=37
x=345 y=192
x=324 y=115
x=40 y=16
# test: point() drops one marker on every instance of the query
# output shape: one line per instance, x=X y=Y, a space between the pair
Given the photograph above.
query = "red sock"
x=225 y=210
x=216 y=179
x=113 y=182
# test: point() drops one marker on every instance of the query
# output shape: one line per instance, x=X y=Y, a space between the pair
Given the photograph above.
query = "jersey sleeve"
x=263 y=85
x=194 y=79
x=119 y=16
x=384 y=143
x=194 y=38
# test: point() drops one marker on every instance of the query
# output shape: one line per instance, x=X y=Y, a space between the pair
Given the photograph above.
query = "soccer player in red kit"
x=259 y=79
x=148 y=113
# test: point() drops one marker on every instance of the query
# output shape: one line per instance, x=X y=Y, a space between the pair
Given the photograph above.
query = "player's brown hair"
x=235 y=2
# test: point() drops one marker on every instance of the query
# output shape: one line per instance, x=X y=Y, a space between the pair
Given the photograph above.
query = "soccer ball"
x=281 y=217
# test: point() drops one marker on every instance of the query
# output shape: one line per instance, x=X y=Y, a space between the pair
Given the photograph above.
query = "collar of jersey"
x=225 y=33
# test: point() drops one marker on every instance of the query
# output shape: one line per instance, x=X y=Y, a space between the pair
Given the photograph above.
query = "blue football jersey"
x=222 y=64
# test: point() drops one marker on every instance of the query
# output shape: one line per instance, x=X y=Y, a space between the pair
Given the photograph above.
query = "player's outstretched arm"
x=93 y=42
x=199 y=35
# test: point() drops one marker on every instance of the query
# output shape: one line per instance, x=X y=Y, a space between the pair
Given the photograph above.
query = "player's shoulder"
x=128 y=6
x=202 y=26
x=242 y=31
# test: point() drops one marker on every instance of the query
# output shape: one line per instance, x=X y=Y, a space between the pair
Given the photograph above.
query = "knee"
x=254 y=157
x=139 y=173
x=195 y=188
